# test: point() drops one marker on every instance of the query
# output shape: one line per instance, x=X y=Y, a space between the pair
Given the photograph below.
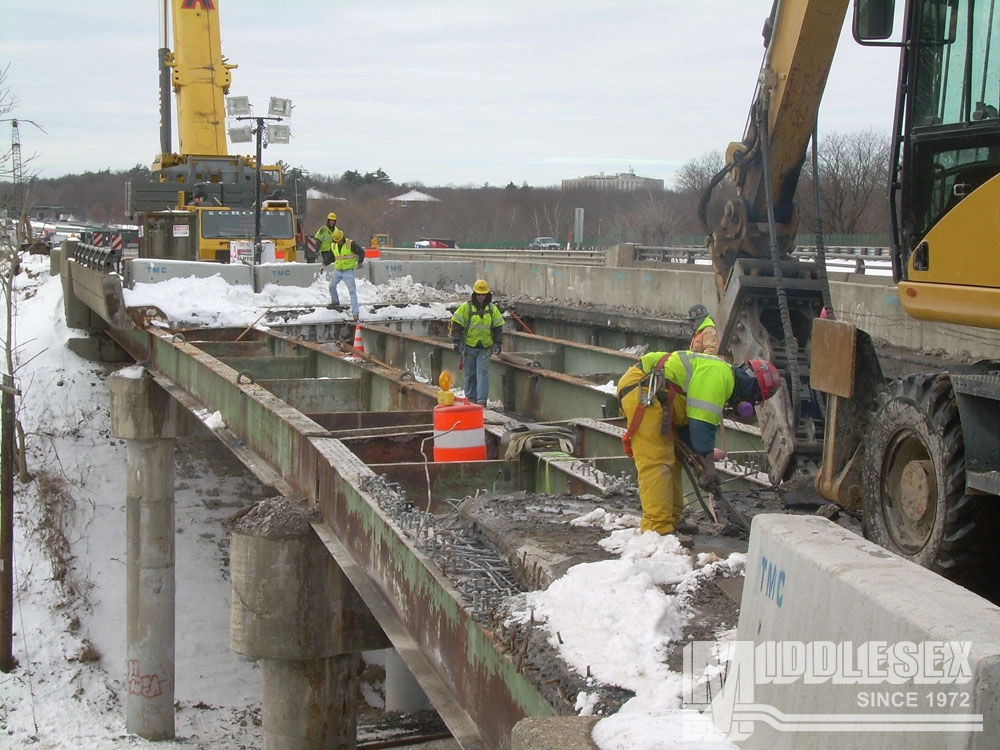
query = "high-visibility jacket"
x=324 y=236
x=706 y=338
x=480 y=324
x=344 y=257
x=706 y=380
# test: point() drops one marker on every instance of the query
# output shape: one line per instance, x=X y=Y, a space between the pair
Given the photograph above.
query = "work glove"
x=497 y=348
x=708 y=480
x=460 y=348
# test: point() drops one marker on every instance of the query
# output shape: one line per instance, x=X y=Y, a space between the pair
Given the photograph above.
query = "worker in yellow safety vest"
x=671 y=395
x=477 y=332
x=345 y=255
x=706 y=337
x=324 y=235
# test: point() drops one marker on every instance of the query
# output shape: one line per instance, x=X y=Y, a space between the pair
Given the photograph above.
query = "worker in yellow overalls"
x=671 y=395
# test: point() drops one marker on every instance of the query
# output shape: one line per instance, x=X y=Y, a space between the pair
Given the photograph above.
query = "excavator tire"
x=913 y=477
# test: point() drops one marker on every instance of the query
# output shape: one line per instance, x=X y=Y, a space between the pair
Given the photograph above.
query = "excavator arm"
x=769 y=299
x=800 y=41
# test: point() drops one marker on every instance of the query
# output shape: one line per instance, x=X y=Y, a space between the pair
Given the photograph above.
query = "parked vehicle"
x=439 y=243
x=544 y=243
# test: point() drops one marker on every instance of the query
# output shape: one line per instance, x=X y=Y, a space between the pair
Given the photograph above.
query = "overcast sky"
x=443 y=92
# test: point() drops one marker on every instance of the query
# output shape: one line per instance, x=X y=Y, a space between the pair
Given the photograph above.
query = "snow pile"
x=616 y=620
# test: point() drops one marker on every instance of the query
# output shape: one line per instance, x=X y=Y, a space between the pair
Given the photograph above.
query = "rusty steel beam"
x=479 y=690
x=480 y=675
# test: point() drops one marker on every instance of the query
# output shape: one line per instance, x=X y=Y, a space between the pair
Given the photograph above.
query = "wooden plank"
x=834 y=350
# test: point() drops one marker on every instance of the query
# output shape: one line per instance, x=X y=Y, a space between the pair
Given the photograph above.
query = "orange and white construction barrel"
x=458 y=433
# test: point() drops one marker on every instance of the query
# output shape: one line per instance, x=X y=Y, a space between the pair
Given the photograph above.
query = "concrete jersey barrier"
x=843 y=644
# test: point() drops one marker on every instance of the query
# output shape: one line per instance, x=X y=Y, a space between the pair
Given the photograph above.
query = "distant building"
x=315 y=194
x=414 y=196
x=624 y=181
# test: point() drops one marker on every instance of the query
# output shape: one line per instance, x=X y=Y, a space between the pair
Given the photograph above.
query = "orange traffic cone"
x=359 y=343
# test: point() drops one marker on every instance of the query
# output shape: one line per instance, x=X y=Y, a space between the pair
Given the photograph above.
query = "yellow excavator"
x=201 y=203
x=920 y=455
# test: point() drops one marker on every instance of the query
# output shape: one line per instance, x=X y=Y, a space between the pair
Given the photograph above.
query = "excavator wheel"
x=914 y=478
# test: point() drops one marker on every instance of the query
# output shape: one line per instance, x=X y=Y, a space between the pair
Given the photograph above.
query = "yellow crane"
x=201 y=203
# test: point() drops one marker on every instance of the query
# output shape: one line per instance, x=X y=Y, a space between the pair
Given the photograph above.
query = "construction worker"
x=671 y=395
x=706 y=337
x=324 y=235
x=345 y=255
x=477 y=330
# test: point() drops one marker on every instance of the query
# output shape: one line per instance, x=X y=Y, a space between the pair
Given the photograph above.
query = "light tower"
x=239 y=108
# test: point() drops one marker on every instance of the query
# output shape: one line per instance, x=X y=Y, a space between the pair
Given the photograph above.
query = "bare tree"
x=696 y=174
x=854 y=177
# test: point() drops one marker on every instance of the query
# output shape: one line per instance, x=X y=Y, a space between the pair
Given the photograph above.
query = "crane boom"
x=200 y=77
x=202 y=202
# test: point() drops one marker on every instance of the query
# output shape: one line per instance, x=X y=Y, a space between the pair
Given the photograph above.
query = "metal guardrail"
x=858 y=257
x=103 y=259
x=591 y=256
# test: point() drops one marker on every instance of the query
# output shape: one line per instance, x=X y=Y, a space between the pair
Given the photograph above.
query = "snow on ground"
x=212 y=302
x=69 y=691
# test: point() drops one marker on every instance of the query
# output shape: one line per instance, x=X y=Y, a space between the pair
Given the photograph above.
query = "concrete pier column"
x=293 y=609
x=402 y=691
x=145 y=416
x=294 y=690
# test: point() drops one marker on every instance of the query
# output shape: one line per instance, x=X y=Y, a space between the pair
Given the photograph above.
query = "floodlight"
x=241 y=134
x=237 y=106
x=278 y=133
x=280 y=107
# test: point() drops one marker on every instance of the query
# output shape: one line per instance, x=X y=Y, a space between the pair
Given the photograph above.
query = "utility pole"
x=8 y=262
x=18 y=174
x=7 y=526
x=256 y=201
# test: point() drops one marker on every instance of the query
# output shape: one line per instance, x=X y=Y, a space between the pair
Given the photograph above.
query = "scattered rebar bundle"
x=482 y=576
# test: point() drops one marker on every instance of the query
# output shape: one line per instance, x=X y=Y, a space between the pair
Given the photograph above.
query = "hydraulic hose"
x=820 y=247
x=706 y=196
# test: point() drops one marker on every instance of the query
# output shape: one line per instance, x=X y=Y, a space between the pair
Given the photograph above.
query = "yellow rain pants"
x=661 y=489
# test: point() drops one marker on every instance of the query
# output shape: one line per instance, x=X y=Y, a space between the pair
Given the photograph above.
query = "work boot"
x=684 y=540
x=687 y=527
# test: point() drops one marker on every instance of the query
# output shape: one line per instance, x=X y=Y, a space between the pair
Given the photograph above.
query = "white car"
x=544 y=243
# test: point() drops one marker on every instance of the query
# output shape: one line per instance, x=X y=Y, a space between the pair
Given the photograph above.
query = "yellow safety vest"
x=706 y=380
x=344 y=256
